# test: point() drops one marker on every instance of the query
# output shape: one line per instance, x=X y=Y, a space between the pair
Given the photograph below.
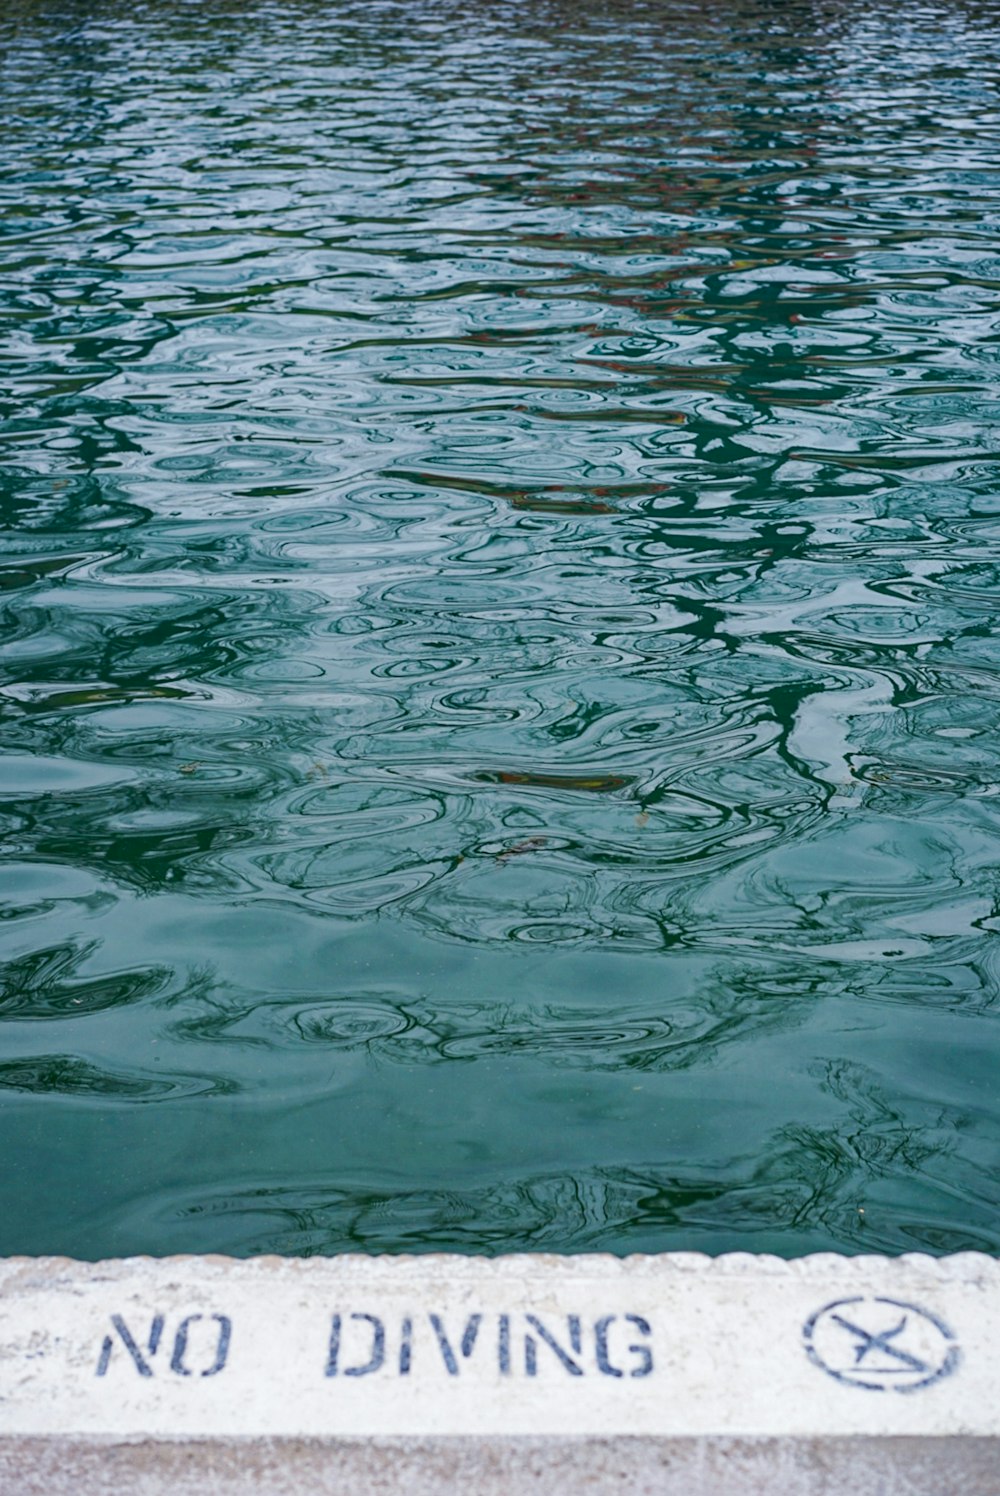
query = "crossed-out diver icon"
x=880 y=1343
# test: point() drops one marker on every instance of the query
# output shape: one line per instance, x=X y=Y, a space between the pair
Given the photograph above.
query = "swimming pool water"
x=500 y=557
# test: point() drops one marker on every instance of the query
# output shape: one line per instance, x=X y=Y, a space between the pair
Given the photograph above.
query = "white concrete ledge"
x=672 y=1374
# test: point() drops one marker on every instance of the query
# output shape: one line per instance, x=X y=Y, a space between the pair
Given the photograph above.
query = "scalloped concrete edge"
x=679 y=1375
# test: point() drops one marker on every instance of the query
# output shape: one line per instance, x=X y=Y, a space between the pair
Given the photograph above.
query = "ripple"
x=47 y=984
x=350 y=1024
x=65 y=1075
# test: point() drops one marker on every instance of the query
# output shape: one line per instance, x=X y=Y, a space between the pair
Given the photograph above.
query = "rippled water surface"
x=499 y=573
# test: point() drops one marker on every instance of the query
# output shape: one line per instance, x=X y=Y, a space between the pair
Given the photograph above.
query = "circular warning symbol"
x=881 y=1344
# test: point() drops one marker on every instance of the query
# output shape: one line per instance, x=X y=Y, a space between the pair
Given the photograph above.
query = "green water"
x=500 y=554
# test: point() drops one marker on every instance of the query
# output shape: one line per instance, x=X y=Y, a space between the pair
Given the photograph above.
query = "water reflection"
x=498 y=582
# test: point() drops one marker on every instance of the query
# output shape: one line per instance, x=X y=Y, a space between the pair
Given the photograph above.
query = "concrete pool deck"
x=669 y=1374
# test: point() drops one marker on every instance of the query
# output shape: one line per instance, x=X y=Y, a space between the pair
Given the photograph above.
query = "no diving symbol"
x=881 y=1344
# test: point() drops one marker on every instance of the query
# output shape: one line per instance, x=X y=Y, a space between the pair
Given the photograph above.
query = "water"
x=500 y=549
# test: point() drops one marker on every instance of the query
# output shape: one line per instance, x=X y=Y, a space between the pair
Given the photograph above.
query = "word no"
x=207 y=1358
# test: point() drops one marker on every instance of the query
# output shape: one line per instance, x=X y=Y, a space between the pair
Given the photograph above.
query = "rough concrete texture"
x=672 y=1374
x=504 y=1467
